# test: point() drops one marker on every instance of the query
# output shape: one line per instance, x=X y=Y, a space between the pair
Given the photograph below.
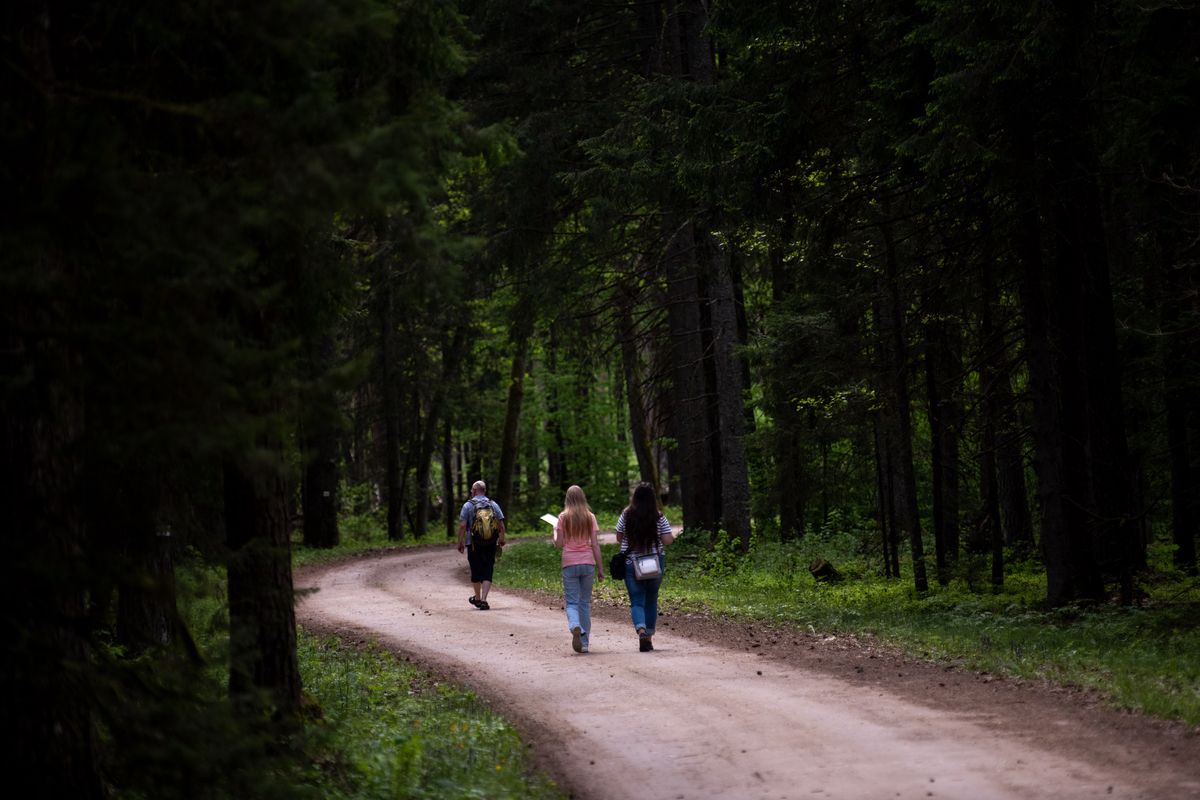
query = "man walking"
x=480 y=531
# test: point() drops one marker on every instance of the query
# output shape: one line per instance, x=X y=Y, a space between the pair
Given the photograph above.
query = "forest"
x=275 y=273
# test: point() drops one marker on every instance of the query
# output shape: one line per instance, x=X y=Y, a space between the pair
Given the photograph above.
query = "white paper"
x=549 y=518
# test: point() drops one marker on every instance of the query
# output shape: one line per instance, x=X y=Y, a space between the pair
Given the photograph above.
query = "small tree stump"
x=823 y=572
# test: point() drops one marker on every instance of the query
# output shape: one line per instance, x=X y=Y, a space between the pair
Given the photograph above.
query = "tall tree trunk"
x=1181 y=367
x=989 y=488
x=673 y=44
x=896 y=409
x=1010 y=460
x=533 y=465
x=264 y=674
x=898 y=414
x=787 y=443
x=1107 y=481
x=888 y=531
x=448 y=470
x=693 y=435
x=556 y=466
x=147 y=615
x=393 y=489
x=735 y=475
x=942 y=379
x=356 y=463
x=46 y=703
x=1185 y=496
x=1063 y=542
x=647 y=468
x=520 y=336
x=1054 y=385
x=319 y=486
x=452 y=354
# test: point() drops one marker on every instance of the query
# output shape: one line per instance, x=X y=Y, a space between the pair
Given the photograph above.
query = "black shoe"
x=577 y=639
x=482 y=605
x=644 y=643
x=473 y=600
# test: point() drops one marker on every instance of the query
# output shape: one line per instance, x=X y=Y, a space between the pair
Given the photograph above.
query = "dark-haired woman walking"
x=643 y=531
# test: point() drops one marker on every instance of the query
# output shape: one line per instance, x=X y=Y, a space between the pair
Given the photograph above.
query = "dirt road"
x=697 y=720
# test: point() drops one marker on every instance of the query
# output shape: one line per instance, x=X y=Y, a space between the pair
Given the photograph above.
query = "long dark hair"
x=641 y=520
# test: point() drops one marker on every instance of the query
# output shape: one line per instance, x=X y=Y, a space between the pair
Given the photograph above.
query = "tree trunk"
x=990 y=375
x=1059 y=527
x=448 y=464
x=735 y=476
x=519 y=337
x=647 y=468
x=1108 y=484
x=147 y=615
x=1185 y=496
x=791 y=491
x=452 y=354
x=1010 y=463
x=556 y=466
x=693 y=435
x=47 y=703
x=896 y=409
x=943 y=369
x=393 y=489
x=264 y=674
x=888 y=531
x=319 y=487
x=356 y=463
x=673 y=44
x=533 y=465
x=1179 y=363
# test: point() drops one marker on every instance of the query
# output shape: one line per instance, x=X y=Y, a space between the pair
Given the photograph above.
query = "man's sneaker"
x=482 y=605
x=577 y=639
x=473 y=600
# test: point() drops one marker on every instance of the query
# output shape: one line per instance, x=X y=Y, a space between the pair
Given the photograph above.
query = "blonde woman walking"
x=575 y=534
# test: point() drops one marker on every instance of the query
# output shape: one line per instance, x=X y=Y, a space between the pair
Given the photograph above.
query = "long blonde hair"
x=575 y=521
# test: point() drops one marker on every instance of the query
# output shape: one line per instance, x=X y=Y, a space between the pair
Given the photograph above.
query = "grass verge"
x=391 y=730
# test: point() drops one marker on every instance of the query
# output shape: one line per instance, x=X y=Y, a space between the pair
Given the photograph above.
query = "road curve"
x=689 y=720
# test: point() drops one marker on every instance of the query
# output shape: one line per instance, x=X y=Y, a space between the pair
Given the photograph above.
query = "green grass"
x=1145 y=658
x=391 y=731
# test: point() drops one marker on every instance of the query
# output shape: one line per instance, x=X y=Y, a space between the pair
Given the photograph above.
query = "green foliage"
x=723 y=556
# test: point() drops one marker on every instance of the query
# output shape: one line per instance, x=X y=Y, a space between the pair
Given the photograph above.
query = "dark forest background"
x=927 y=266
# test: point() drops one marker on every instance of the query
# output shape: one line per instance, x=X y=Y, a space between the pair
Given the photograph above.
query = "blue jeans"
x=643 y=598
x=577 y=590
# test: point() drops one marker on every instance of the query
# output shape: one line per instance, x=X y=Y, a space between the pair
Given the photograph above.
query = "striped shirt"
x=663 y=527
